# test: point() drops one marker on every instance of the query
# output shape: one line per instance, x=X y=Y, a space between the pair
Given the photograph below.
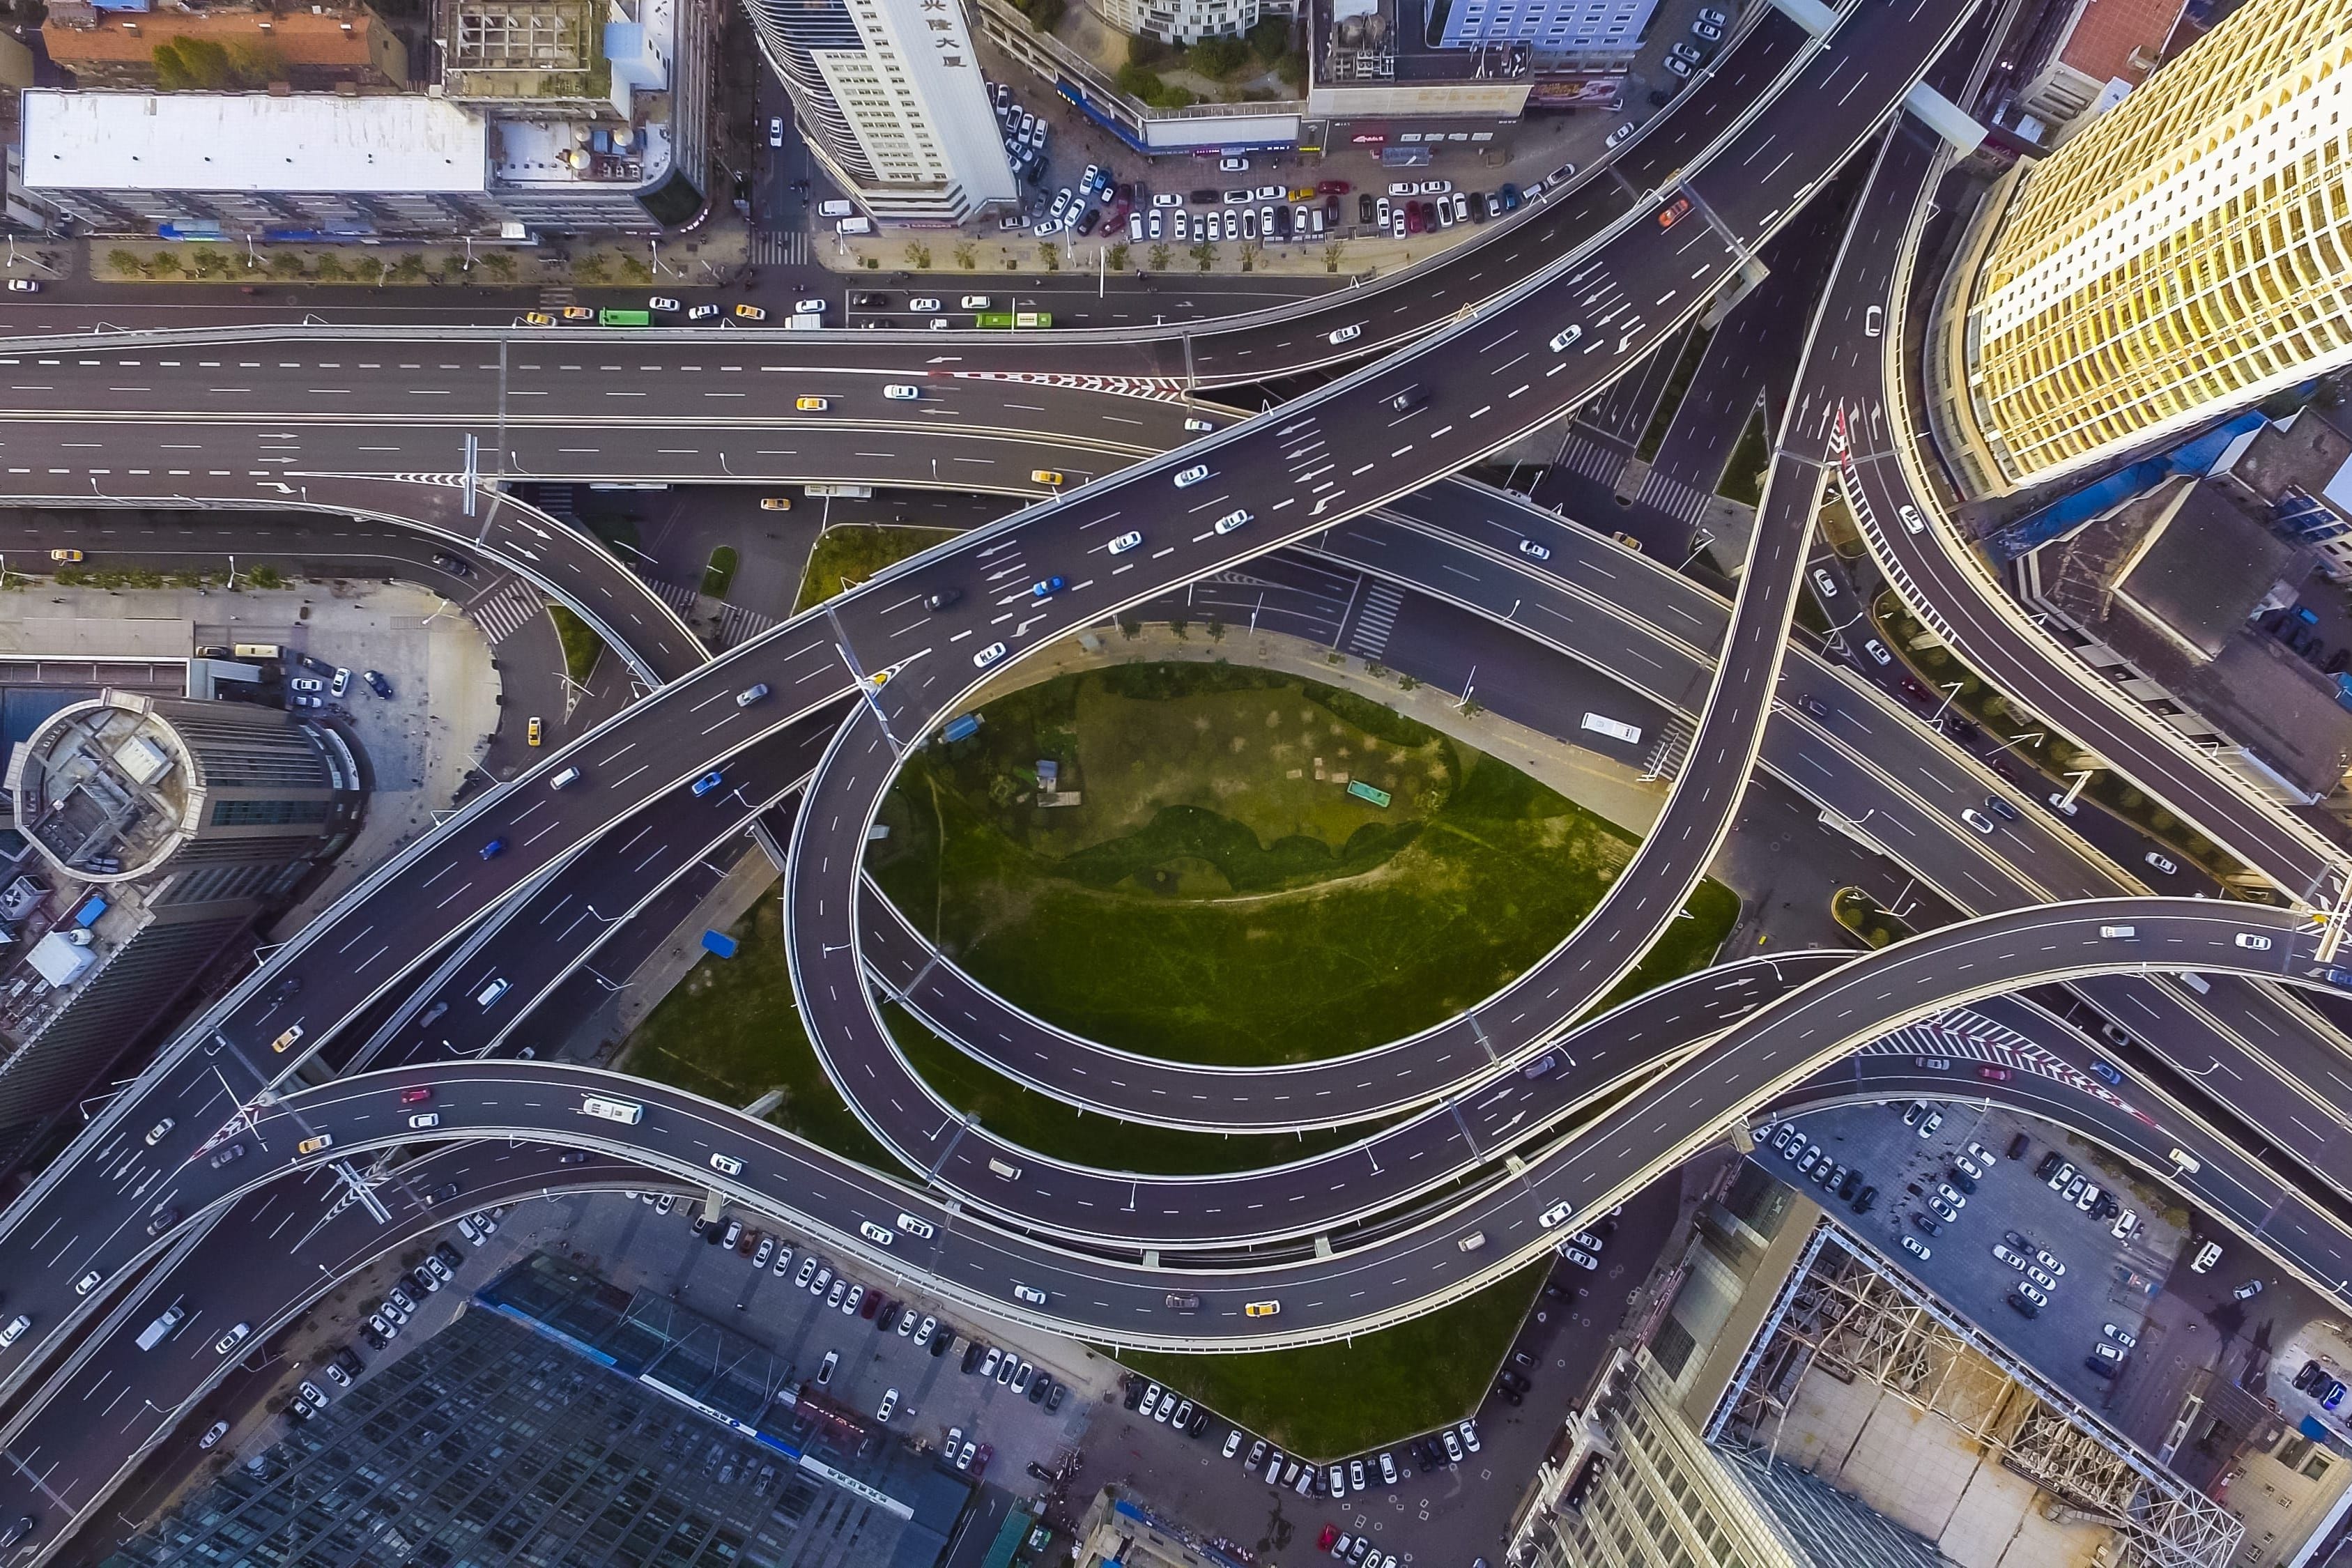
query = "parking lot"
x=2088 y=1278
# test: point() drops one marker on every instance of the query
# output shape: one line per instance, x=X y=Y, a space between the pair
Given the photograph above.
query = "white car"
x=883 y=1411
x=661 y=303
x=1187 y=477
x=1581 y=1258
x=809 y=307
x=1232 y=520
x=2254 y=944
x=775 y=131
x=2115 y=1332
x=1565 y=338
x=1128 y=540
x=1553 y=1215
x=923 y=305
x=1617 y=136
x=213 y=1434
x=1166 y=199
x=23 y=286
x=973 y=302
x=1534 y=552
x=899 y=392
x=1348 y=335
x=987 y=655
x=2049 y=1262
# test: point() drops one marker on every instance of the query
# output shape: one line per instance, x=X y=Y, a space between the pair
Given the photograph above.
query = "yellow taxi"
x=1045 y=475
x=312 y=1145
x=1628 y=541
x=538 y=319
x=1261 y=1308
x=749 y=313
x=285 y=1041
x=535 y=734
x=65 y=554
x=578 y=313
x=811 y=405
x=775 y=503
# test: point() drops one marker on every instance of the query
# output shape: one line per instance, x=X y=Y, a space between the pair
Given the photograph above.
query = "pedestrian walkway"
x=1596 y=460
x=780 y=248
x=1672 y=497
x=505 y=610
x=1368 y=638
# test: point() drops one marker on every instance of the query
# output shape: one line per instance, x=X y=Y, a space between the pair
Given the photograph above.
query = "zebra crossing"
x=1669 y=752
x=1368 y=638
x=1672 y=497
x=1596 y=460
x=737 y=625
x=780 y=248
x=1963 y=1034
x=505 y=610
x=685 y=601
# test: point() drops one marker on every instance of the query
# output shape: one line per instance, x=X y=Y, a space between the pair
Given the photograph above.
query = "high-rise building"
x=156 y=830
x=891 y=103
x=1551 y=28
x=2187 y=252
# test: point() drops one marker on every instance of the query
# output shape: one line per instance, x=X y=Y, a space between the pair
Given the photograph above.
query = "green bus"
x=609 y=318
x=1363 y=791
x=1006 y=321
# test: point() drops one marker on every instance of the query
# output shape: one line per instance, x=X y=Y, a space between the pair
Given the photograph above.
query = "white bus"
x=1614 y=729
x=627 y=1110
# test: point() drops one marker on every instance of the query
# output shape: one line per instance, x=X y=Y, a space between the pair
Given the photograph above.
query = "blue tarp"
x=2097 y=498
x=719 y=943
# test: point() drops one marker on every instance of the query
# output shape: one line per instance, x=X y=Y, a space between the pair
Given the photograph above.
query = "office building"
x=891 y=103
x=2187 y=253
x=1580 y=31
x=1189 y=21
x=155 y=831
x=560 y=1420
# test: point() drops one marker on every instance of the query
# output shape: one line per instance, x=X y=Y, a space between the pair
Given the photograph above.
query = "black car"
x=971 y=1353
x=350 y=1362
x=2103 y=1368
x=887 y=1315
x=1865 y=1200
x=1924 y=1223
x=286 y=987
x=939 y=1342
x=455 y=565
x=943 y=598
x=2017 y=1240
x=1200 y=1423
x=163 y=1220
x=449 y=1255
x=377 y=683
x=1086 y=221
x=1477 y=207
x=375 y=1342
x=233 y=1152
x=442 y=1193
x=1411 y=398
x=2311 y=1374
x=1509 y=1396
x=2049 y=1165
x=1134 y=1387
x=869 y=301
x=573 y=1157
x=2023 y=1308
x=1849 y=1184
x=1962 y=1180
x=1038 y=1387
x=1054 y=1400
x=1366 y=212
x=1516 y=1380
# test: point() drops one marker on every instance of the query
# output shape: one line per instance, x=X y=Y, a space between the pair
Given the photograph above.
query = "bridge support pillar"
x=1945 y=118
x=1810 y=14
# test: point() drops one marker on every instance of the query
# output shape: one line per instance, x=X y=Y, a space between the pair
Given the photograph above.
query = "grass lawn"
x=582 y=646
x=731 y=1033
x=850 y=553
x=719 y=573
x=1211 y=899
x=1335 y=1400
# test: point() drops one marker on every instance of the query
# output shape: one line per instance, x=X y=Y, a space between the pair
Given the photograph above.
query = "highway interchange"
x=1580 y=287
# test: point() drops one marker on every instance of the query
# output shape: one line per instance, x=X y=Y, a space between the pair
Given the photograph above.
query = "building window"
x=268 y=813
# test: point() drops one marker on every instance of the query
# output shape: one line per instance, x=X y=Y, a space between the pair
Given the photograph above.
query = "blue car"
x=1048 y=588
x=491 y=850
x=708 y=782
x=2104 y=1071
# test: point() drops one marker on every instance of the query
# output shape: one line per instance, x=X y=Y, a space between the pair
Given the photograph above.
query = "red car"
x=1674 y=214
x=980 y=1460
x=1332 y=187
x=1413 y=217
x=415 y=1095
x=1323 y=1542
x=1993 y=1074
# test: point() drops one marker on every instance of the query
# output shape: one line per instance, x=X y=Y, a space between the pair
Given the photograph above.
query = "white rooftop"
x=251 y=141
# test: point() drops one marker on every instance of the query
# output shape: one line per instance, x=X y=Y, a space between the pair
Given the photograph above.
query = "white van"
x=493 y=991
x=856 y=225
x=565 y=779
x=834 y=210
x=2120 y=933
x=1004 y=1172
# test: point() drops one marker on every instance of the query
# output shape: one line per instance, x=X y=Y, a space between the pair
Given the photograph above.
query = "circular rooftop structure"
x=115 y=788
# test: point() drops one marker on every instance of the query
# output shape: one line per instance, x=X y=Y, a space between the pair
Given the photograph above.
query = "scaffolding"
x=1844 y=1314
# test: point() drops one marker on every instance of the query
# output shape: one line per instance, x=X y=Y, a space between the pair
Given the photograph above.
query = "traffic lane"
x=567 y=923
x=2023 y=662
x=69 y=1442
x=81 y=1207
x=1586 y=273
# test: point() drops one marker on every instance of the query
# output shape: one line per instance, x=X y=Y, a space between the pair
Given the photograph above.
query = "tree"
x=918 y=255
x=368 y=269
x=1158 y=258
x=1218 y=57
x=165 y=263
x=1205 y=254
x=967 y=256
x=1116 y=259
x=285 y=264
x=253 y=63
x=1048 y=258
x=1270 y=39
x=500 y=265
x=123 y=262
x=593 y=268
x=330 y=268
